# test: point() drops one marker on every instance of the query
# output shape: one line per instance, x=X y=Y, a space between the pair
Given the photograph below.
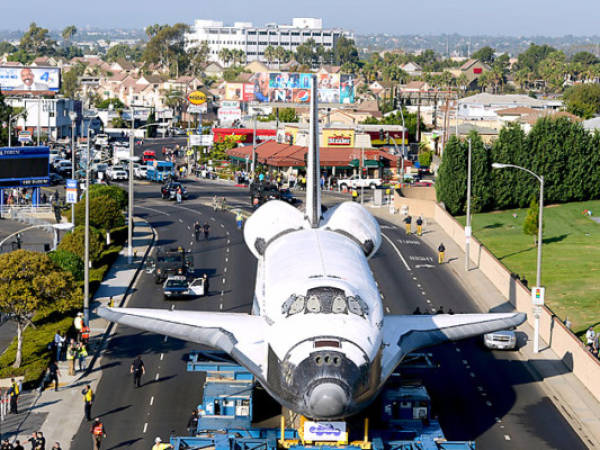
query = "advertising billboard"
x=29 y=79
x=24 y=166
x=332 y=137
x=284 y=87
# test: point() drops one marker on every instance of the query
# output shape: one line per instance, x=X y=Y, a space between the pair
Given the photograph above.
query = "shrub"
x=105 y=212
x=74 y=242
x=115 y=192
x=68 y=262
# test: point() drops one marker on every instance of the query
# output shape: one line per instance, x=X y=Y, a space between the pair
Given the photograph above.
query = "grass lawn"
x=570 y=256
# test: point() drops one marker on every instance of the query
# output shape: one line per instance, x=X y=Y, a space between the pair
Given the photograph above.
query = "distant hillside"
x=457 y=45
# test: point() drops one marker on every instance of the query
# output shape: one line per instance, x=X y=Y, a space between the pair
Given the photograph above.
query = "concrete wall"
x=562 y=341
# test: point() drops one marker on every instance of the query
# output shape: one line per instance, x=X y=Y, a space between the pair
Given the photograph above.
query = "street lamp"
x=73 y=117
x=86 y=262
x=56 y=227
x=538 y=278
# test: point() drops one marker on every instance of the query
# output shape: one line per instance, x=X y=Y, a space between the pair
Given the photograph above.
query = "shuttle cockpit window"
x=324 y=300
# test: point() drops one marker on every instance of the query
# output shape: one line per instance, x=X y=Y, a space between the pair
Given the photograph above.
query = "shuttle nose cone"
x=327 y=400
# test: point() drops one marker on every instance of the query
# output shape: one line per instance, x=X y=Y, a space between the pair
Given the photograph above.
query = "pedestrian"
x=13 y=392
x=53 y=373
x=137 y=369
x=59 y=341
x=71 y=355
x=98 y=432
x=81 y=355
x=179 y=195
x=160 y=445
x=40 y=441
x=441 y=252
x=85 y=334
x=192 y=425
x=239 y=220
x=197 y=230
x=17 y=445
x=407 y=224
x=206 y=283
x=32 y=440
x=206 y=229
x=354 y=194
x=6 y=445
x=56 y=446
x=590 y=336
x=420 y=226
x=88 y=399
x=78 y=324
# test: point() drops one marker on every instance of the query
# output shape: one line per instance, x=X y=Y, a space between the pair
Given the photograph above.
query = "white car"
x=140 y=172
x=355 y=181
x=117 y=174
x=500 y=340
x=63 y=166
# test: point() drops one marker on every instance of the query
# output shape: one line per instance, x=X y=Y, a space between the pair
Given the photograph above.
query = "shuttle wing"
x=239 y=335
x=405 y=334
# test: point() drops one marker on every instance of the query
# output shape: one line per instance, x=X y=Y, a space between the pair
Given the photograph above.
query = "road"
x=478 y=395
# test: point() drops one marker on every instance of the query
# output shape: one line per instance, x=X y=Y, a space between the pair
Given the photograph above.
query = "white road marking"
x=180 y=221
x=191 y=242
x=172 y=307
x=227 y=233
x=151 y=400
x=387 y=309
x=153 y=210
x=228 y=241
x=222 y=292
x=458 y=349
x=223 y=280
x=429 y=301
x=226 y=259
x=189 y=228
x=471 y=374
x=221 y=306
x=418 y=285
x=222 y=226
x=225 y=270
x=414 y=278
x=506 y=437
x=423 y=293
x=166 y=337
x=488 y=403
x=497 y=419
x=161 y=356
x=213 y=219
x=465 y=362
x=227 y=249
x=156 y=377
x=480 y=388
x=397 y=251
x=146 y=424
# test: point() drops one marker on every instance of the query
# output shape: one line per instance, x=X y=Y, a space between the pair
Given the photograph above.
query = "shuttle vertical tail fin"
x=313 y=167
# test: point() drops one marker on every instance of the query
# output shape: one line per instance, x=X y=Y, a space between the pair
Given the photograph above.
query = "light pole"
x=468 y=226
x=538 y=277
x=403 y=140
x=253 y=146
x=73 y=117
x=86 y=262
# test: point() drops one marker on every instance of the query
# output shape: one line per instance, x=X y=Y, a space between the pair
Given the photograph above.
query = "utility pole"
x=468 y=226
x=252 y=165
x=130 y=209
x=39 y=119
x=86 y=262
x=419 y=119
x=362 y=165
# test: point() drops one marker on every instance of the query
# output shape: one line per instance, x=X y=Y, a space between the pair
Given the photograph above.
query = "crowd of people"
x=37 y=442
x=592 y=342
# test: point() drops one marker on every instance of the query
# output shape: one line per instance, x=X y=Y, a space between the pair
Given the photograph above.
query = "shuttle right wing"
x=405 y=334
x=242 y=336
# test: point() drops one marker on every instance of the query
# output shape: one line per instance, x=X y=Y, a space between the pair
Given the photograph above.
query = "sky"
x=465 y=17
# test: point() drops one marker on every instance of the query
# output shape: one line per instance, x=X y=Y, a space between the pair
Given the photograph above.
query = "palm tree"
x=462 y=82
x=280 y=55
x=69 y=32
x=270 y=54
x=225 y=55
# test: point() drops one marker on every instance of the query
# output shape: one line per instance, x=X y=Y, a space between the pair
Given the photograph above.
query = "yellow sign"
x=197 y=98
x=331 y=137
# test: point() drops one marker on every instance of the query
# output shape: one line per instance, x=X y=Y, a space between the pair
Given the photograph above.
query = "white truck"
x=355 y=181
x=120 y=154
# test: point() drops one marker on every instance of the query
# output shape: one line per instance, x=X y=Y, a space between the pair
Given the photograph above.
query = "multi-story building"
x=254 y=40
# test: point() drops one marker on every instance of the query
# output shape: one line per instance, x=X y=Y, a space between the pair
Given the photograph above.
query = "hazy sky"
x=466 y=17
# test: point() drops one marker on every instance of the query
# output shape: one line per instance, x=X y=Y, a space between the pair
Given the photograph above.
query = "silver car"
x=500 y=340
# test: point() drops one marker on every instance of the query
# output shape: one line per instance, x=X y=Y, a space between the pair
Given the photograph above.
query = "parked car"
x=169 y=190
x=64 y=167
x=500 y=340
x=140 y=172
x=355 y=181
x=287 y=196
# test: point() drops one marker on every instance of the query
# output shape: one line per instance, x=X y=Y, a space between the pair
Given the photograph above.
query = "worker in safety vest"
x=14 y=392
x=354 y=194
x=407 y=221
x=85 y=334
x=88 y=399
x=441 y=252
x=160 y=445
x=239 y=220
x=98 y=433
x=420 y=226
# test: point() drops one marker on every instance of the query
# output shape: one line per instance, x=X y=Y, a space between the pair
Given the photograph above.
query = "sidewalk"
x=58 y=414
x=576 y=403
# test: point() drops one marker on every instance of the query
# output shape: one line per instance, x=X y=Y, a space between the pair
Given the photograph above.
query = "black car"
x=169 y=190
x=56 y=179
x=287 y=196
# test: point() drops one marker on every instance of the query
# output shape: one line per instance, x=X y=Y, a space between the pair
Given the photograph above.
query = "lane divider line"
x=145 y=427
x=151 y=400
x=397 y=252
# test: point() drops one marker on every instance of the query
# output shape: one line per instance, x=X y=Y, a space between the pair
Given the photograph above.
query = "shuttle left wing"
x=239 y=335
x=405 y=334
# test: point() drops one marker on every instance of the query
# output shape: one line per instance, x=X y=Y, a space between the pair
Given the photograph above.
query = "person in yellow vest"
x=71 y=354
x=88 y=399
x=81 y=355
x=420 y=226
x=354 y=194
x=441 y=251
x=14 y=392
x=85 y=334
x=98 y=433
x=160 y=445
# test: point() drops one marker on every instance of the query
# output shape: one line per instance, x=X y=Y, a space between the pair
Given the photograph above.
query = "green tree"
x=425 y=158
x=484 y=54
x=270 y=54
x=116 y=103
x=70 y=80
x=481 y=188
x=530 y=58
x=507 y=184
x=552 y=69
x=7 y=47
x=151 y=131
x=305 y=53
x=74 y=242
x=288 y=115
x=31 y=282
x=167 y=47
x=345 y=51
x=225 y=56
x=115 y=192
x=124 y=52
x=69 y=32
x=451 y=183
x=198 y=57
x=530 y=225
x=69 y=262
x=5 y=112
x=105 y=212
x=36 y=41
x=585 y=58
x=583 y=100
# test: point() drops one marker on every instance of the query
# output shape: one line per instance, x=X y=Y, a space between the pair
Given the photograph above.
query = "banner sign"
x=29 y=79
x=71 y=192
x=201 y=139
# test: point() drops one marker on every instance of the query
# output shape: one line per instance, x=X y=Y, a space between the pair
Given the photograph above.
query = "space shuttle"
x=317 y=338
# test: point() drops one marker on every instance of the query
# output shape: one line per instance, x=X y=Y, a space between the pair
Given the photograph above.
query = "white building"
x=254 y=40
x=52 y=115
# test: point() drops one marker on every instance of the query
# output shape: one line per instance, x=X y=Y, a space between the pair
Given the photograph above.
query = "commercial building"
x=254 y=40
x=52 y=115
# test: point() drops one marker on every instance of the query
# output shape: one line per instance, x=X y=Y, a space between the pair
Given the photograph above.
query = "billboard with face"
x=29 y=79
x=284 y=87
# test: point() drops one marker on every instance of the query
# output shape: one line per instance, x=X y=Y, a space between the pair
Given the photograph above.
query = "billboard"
x=332 y=137
x=29 y=79
x=24 y=166
x=292 y=87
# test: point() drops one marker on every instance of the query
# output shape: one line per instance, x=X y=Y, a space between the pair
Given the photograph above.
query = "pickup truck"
x=355 y=181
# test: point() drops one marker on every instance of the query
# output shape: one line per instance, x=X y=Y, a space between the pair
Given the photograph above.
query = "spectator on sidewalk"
x=18 y=446
x=590 y=335
x=6 y=445
x=71 y=355
x=40 y=441
x=88 y=399
x=85 y=334
x=53 y=373
x=192 y=425
x=81 y=355
x=56 y=446
x=59 y=341
x=78 y=324
x=98 y=432
x=13 y=392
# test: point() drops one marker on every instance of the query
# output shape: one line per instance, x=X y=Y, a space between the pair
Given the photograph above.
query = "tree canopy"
x=583 y=100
